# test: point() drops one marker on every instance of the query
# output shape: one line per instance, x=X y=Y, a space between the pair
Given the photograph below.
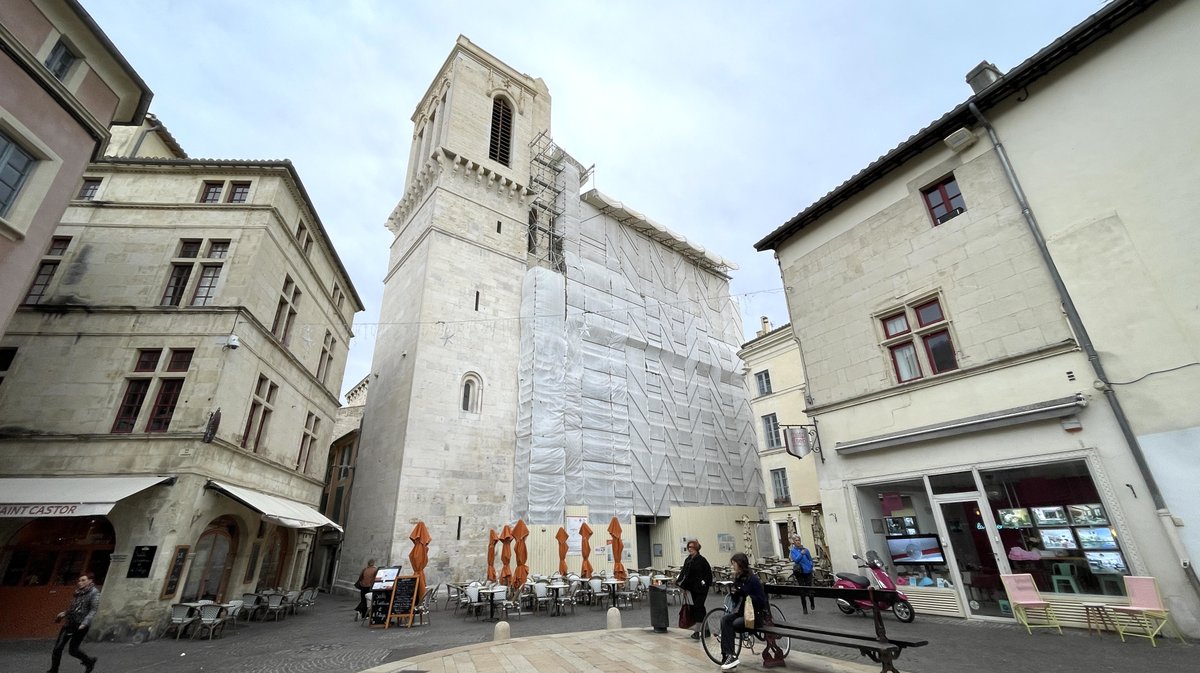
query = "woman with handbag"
x=752 y=608
x=695 y=578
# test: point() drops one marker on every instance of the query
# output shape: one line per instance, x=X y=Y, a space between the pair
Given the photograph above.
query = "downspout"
x=1085 y=342
x=154 y=126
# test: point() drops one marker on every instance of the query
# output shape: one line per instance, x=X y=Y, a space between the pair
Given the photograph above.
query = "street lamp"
x=801 y=440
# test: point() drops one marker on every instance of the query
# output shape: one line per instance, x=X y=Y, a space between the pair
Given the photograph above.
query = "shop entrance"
x=978 y=559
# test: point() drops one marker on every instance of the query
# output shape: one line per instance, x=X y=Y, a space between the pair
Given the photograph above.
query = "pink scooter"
x=880 y=580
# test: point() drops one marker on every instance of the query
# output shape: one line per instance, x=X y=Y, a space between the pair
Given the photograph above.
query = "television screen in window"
x=1050 y=516
x=915 y=549
x=1087 y=515
x=1106 y=562
x=1096 y=538
x=1057 y=538
x=1014 y=518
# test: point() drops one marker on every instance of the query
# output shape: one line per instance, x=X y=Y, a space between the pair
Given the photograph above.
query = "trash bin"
x=659 y=617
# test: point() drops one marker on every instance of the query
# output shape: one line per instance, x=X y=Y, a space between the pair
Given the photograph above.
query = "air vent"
x=960 y=139
x=1070 y=376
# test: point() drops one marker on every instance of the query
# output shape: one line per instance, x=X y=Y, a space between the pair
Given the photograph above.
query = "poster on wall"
x=574 y=540
x=626 y=552
x=725 y=543
x=1087 y=515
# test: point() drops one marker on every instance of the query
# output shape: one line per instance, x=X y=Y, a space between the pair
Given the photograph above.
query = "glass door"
x=970 y=539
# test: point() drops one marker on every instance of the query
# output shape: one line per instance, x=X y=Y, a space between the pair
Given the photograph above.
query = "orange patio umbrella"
x=506 y=538
x=562 y=536
x=491 y=571
x=419 y=556
x=614 y=529
x=585 y=532
x=520 y=532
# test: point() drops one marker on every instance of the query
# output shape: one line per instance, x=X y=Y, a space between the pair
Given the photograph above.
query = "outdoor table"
x=612 y=585
x=660 y=579
x=556 y=587
x=491 y=594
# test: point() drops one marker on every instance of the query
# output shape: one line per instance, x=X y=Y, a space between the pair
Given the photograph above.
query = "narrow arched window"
x=468 y=394
x=500 y=146
x=472 y=392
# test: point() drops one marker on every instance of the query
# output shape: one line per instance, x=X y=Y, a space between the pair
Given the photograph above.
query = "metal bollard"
x=660 y=619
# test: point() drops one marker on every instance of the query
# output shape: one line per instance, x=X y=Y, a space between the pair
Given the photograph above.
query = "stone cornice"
x=444 y=162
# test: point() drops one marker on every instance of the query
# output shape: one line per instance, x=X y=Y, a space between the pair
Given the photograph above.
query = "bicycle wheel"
x=783 y=642
x=710 y=635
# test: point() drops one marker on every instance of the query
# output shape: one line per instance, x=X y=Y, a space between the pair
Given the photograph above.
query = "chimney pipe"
x=981 y=76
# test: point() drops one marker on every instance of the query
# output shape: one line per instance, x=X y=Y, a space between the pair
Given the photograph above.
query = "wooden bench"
x=877 y=647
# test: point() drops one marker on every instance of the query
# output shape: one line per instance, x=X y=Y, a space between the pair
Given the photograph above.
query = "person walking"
x=746 y=587
x=695 y=578
x=366 y=579
x=76 y=620
x=802 y=569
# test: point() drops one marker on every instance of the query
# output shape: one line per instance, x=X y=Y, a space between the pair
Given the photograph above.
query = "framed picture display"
x=1098 y=537
x=901 y=525
x=1106 y=562
x=1050 y=516
x=1014 y=518
x=1087 y=515
x=1057 y=538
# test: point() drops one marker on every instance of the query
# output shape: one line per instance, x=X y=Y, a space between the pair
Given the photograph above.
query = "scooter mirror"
x=856 y=557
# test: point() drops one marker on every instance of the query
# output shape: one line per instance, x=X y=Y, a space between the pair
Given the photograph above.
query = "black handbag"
x=685 y=617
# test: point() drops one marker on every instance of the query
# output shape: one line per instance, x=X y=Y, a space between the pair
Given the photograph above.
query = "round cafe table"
x=491 y=594
x=612 y=585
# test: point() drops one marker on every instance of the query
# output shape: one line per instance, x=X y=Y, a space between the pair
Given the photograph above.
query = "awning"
x=275 y=509
x=69 y=496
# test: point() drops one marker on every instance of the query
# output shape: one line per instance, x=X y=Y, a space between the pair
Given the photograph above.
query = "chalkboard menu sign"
x=141 y=561
x=175 y=571
x=394 y=601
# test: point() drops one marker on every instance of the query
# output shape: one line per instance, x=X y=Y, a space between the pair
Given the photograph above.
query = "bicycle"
x=710 y=635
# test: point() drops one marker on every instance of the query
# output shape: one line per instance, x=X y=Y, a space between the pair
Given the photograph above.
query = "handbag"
x=685 y=617
x=748 y=612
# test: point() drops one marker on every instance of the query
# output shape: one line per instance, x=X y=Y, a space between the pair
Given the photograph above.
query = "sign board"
x=141 y=561
x=175 y=571
x=574 y=539
x=393 y=600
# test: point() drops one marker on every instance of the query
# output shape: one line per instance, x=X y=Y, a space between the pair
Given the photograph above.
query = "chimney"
x=982 y=76
x=766 y=326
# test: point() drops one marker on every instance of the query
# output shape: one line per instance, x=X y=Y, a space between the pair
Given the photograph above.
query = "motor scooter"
x=880 y=580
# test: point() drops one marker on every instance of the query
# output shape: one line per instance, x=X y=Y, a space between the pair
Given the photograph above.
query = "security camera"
x=233 y=342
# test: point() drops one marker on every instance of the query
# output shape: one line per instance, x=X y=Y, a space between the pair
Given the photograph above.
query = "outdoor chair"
x=306 y=599
x=502 y=602
x=290 y=599
x=181 y=618
x=567 y=597
x=1146 y=614
x=1024 y=597
x=252 y=606
x=276 y=606
x=626 y=593
x=474 y=605
x=233 y=610
x=454 y=594
x=541 y=595
x=212 y=617
x=425 y=606
x=583 y=592
x=599 y=593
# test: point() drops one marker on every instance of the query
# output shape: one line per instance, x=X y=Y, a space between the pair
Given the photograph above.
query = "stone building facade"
x=997 y=320
x=173 y=385
x=544 y=351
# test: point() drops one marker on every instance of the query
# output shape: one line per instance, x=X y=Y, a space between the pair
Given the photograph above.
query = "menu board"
x=175 y=571
x=141 y=561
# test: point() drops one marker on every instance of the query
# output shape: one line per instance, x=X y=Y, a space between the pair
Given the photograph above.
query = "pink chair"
x=1024 y=597
x=1146 y=615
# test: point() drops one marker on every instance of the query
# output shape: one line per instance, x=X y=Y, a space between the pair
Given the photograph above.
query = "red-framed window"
x=41 y=282
x=164 y=405
x=147 y=360
x=944 y=200
x=239 y=192
x=176 y=284
x=927 y=347
x=87 y=191
x=211 y=192
x=131 y=405
x=58 y=246
x=181 y=359
x=261 y=405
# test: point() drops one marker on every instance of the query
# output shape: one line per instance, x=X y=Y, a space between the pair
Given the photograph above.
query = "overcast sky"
x=719 y=120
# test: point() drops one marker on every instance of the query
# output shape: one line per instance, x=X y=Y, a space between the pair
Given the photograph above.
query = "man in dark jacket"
x=696 y=579
x=77 y=619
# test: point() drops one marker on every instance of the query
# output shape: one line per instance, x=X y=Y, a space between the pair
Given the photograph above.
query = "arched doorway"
x=271 y=575
x=208 y=575
x=39 y=566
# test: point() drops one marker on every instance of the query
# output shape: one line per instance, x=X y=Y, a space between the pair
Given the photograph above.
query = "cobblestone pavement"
x=327 y=639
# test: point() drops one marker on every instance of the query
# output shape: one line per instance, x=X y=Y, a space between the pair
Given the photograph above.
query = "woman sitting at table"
x=366 y=578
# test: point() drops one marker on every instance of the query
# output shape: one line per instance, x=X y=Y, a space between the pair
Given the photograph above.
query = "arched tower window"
x=472 y=392
x=500 y=147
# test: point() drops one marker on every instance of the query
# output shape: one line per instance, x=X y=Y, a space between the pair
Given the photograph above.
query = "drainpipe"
x=1085 y=342
x=154 y=126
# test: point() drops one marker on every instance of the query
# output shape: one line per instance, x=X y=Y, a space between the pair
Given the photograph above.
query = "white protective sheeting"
x=631 y=396
x=276 y=509
x=69 y=496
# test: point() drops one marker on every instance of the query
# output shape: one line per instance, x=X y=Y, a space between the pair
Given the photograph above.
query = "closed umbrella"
x=562 y=536
x=614 y=529
x=520 y=532
x=506 y=538
x=419 y=556
x=585 y=532
x=491 y=571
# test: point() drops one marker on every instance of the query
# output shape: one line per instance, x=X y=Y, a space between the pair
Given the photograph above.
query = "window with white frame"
x=15 y=165
x=763 y=379
x=771 y=435
x=779 y=483
x=917 y=339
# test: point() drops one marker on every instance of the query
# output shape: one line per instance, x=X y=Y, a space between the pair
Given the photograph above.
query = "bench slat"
x=791 y=630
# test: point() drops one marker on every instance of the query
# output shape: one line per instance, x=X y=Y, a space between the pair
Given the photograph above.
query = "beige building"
x=547 y=353
x=167 y=408
x=1000 y=339
x=774 y=376
x=62 y=84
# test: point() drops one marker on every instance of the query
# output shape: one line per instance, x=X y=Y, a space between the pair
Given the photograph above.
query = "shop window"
x=271 y=574
x=55 y=551
x=209 y=571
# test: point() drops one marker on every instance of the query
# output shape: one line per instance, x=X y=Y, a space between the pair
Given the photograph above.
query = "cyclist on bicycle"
x=746 y=585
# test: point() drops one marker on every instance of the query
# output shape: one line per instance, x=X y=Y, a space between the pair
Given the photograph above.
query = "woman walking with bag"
x=746 y=587
x=695 y=578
